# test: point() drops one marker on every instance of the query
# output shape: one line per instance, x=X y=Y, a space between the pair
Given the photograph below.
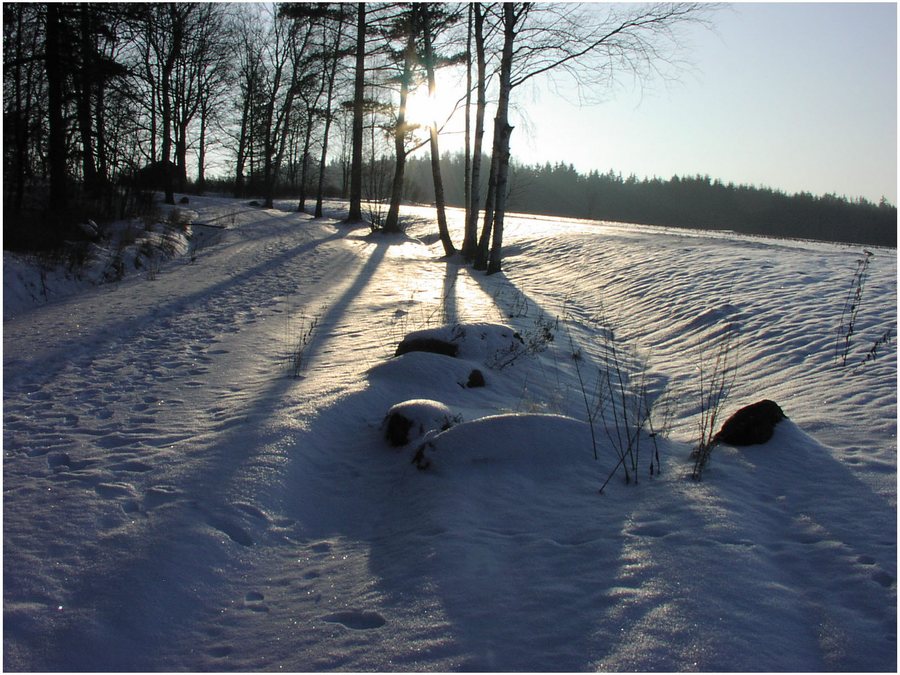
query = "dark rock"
x=751 y=425
x=409 y=420
x=476 y=379
x=184 y=200
x=397 y=432
x=253 y=203
x=427 y=344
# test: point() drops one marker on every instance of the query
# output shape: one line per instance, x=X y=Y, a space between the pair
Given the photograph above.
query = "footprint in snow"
x=132 y=466
x=884 y=579
x=252 y=511
x=114 y=490
x=158 y=495
x=254 y=602
x=356 y=620
x=322 y=547
x=220 y=652
x=60 y=462
x=232 y=530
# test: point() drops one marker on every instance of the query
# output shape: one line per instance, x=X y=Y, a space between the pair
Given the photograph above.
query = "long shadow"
x=814 y=539
x=419 y=558
x=450 y=309
x=168 y=309
x=153 y=581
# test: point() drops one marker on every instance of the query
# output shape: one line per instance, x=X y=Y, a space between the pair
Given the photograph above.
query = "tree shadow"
x=126 y=584
x=468 y=572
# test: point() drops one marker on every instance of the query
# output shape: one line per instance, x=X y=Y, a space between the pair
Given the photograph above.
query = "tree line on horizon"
x=698 y=202
x=105 y=103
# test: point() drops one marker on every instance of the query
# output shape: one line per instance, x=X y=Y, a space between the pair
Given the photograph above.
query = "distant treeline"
x=696 y=202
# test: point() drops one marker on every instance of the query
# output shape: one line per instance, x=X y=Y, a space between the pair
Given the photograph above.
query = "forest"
x=106 y=104
x=682 y=201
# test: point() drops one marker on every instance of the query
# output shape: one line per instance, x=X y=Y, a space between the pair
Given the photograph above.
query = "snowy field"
x=196 y=474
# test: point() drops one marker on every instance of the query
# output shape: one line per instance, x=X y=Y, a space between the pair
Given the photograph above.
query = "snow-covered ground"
x=175 y=498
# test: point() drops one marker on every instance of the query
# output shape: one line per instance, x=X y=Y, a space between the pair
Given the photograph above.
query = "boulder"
x=752 y=425
x=476 y=379
x=427 y=344
x=410 y=420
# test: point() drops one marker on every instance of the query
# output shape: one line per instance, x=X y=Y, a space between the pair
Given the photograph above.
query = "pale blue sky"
x=798 y=97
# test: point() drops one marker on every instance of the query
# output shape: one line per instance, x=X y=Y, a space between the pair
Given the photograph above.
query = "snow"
x=175 y=499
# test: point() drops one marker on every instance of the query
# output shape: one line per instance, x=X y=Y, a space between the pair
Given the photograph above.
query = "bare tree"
x=332 y=53
x=250 y=73
x=24 y=92
x=590 y=44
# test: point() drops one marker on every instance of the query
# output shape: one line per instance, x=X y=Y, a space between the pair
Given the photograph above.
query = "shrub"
x=717 y=374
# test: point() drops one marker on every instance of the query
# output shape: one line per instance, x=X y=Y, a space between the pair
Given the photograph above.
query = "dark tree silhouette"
x=359 y=94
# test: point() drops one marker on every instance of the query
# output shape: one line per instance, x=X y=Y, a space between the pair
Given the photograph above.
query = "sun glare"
x=426 y=110
x=423 y=109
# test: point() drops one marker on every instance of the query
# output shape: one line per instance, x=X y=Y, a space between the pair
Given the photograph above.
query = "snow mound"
x=422 y=368
x=531 y=441
x=125 y=248
x=410 y=420
x=492 y=344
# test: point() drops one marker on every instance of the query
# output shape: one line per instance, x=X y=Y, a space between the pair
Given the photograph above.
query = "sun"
x=426 y=110
x=422 y=109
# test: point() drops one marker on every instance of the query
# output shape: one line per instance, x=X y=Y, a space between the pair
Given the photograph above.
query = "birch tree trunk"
x=503 y=131
x=392 y=222
x=470 y=242
x=439 y=200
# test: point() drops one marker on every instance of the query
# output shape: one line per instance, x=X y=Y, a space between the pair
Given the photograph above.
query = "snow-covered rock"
x=531 y=441
x=411 y=420
x=489 y=343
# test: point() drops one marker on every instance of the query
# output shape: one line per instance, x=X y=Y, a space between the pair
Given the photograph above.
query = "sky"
x=792 y=96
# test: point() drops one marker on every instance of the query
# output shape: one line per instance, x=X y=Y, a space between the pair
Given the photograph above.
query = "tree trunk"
x=470 y=241
x=273 y=132
x=483 y=248
x=88 y=166
x=241 y=157
x=166 y=93
x=56 y=147
x=439 y=201
x=502 y=130
x=201 y=151
x=101 y=147
x=21 y=115
x=355 y=213
x=329 y=116
x=392 y=222
x=304 y=166
x=467 y=159
x=151 y=81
